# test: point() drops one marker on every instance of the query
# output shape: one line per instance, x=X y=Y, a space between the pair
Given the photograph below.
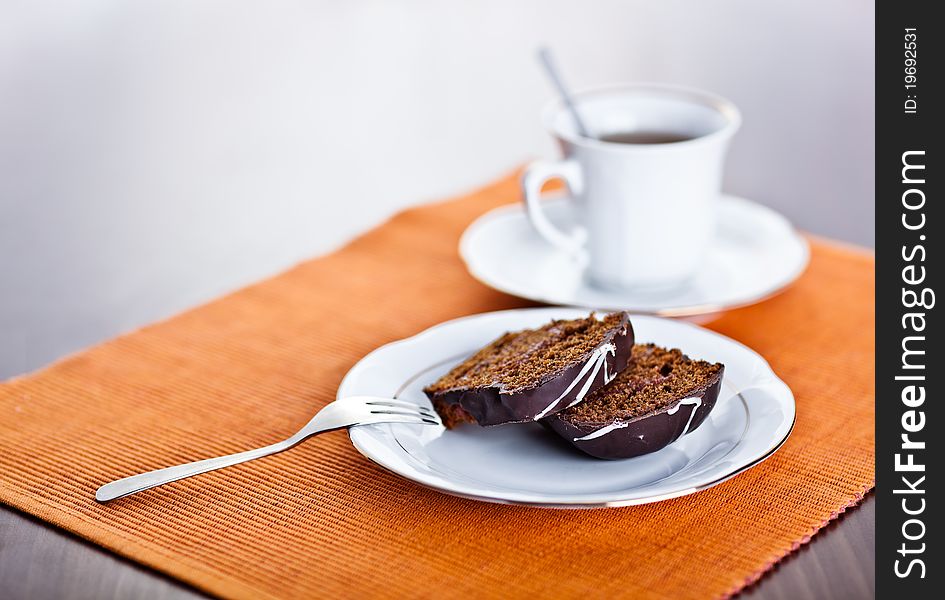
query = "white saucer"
x=525 y=464
x=756 y=254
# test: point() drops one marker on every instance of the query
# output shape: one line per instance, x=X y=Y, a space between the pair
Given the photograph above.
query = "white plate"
x=756 y=254
x=525 y=464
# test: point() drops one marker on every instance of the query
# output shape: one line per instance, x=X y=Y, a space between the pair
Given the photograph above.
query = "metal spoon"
x=547 y=60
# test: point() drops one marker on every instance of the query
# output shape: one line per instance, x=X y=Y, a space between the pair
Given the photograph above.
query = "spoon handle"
x=544 y=54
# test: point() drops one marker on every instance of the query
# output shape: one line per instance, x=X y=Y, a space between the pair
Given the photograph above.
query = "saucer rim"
x=688 y=310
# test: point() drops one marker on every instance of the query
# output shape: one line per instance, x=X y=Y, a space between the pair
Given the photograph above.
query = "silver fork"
x=343 y=413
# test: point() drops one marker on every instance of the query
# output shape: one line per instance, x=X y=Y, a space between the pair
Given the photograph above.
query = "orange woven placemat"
x=321 y=520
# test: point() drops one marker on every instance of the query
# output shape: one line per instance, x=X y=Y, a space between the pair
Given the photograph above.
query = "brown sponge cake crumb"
x=656 y=378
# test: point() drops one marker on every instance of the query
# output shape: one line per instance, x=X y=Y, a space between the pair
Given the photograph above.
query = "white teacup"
x=646 y=211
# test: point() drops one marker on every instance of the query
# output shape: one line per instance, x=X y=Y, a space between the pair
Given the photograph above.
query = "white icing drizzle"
x=694 y=400
x=603 y=431
x=621 y=424
x=592 y=367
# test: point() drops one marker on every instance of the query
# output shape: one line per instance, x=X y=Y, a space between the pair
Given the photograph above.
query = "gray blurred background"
x=155 y=155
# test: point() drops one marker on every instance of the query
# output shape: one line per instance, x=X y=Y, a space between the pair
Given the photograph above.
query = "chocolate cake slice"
x=660 y=397
x=530 y=374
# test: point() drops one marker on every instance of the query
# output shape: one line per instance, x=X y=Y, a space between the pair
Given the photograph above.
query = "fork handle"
x=145 y=481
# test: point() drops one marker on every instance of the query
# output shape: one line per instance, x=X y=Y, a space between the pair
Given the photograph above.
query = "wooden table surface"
x=38 y=561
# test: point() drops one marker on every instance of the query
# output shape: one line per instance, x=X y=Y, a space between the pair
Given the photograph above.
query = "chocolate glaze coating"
x=644 y=434
x=494 y=406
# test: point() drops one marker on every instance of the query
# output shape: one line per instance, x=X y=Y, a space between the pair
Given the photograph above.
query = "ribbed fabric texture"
x=321 y=520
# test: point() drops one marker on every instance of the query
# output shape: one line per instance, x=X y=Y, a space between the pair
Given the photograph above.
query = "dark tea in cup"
x=644 y=137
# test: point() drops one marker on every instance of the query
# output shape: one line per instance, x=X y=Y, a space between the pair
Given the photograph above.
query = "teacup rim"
x=719 y=103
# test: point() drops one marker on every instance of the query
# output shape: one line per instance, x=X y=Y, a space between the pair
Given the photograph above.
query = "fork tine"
x=402 y=406
x=406 y=414
x=395 y=403
x=376 y=409
x=396 y=411
x=396 y=418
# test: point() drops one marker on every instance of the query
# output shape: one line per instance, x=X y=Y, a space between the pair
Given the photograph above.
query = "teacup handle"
x=535 y=176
